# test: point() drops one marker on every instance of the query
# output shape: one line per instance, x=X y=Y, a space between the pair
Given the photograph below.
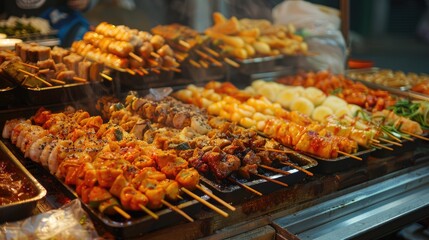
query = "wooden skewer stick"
x=149 y=212
x=195 y=64
x=407 y=138
x=391 y=142
x=155 y=55
x=270 y=179
x=211 y=51
x=43 y=71
x=122 y=212
x=201 y=54
x=185 y=44
x=211 y=206
x=274 y=169
x=144 y=70
x=130 y=71
x=382 y=146
x=79 y=79
x=179 y=197
x=297 y=168
x=178 y=210
x=210 y=194
x=36 y=77
x=350 y=155
x=105 y=76
x=203 y=63
x=176 y=70
x=137 y=58
x=231 y=62
x=155 y=70
x=30 y=65
x=244 y=186
x=416 y=135
x=375 y=140
x=275 y=150
x=392 y=136
x=57 y=81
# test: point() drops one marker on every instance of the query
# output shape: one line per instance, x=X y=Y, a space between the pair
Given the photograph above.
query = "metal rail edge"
x=368 y=212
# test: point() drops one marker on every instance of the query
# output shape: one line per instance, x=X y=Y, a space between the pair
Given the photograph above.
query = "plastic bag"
x=68 y=222
x=320 y=28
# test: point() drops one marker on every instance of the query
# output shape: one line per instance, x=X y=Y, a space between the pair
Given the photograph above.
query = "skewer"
x=211 y=51
x=416 y=135
x=407 y=138
x=122 y=212
x=231 y=62
x=155 y=55
x=106 y=76
x=350 y=155
x=203 y=63
x=211 y=206
x=382 y=146
x=176 y=70
x=137 y=58
x=195 y=64
x=392 y=136
x=139 y=72
x=176 y=209
x=375 y=140
x=244 y=186
x=271 y=180
x=210 y=194
x=391 y=142
x=79 y=79
x=36 y=77
x=275 y=150
x=155 y=70
x=46 y=70
x=184 y=44
x=274 y=169
x=30 y=65
x=149 y=212
x=297 y=167
x=130 y=71
x=57 y=81
x=144 y=71
x=201 y=54
x=215 y=62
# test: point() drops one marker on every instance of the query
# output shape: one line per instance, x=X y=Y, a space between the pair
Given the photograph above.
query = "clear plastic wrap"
x=320 y=27
x=67 y=223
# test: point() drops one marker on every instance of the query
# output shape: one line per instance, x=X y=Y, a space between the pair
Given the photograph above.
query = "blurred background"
x=392 y=33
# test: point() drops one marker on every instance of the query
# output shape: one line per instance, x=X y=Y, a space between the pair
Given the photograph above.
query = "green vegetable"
x=118 y=134
x=414 y=110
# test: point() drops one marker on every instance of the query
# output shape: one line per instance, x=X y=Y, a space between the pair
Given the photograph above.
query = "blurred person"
x=65 y=16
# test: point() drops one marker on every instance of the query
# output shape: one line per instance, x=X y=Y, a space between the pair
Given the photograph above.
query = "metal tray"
x=403 y=91
x=233 y=193
x=138 y=225
x=59 y=94
x=407 y=146
x=24 y=208
x=200 y=75
x=258 y=65
x=343 y=163
x=152 y=80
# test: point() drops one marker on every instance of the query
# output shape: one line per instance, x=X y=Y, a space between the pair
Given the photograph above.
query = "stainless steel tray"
x=23 y=208
x=139 y=224
x=233 y=193
x=342 y=163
